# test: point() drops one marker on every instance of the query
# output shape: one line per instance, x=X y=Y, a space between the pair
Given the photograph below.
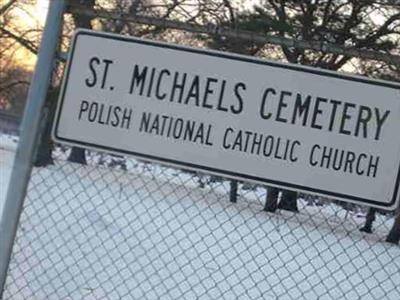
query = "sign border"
x=230 y=56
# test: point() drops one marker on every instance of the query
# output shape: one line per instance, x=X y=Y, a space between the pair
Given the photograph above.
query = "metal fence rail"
x=150 y=232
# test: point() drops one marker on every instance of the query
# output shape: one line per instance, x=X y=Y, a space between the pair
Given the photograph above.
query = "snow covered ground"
x=8 y=146
x=152 y=233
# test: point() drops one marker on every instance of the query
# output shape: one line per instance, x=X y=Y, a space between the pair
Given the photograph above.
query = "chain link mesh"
x=125 y=229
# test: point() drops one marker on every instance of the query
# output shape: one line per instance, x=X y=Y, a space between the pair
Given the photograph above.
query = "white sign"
x=277 y=124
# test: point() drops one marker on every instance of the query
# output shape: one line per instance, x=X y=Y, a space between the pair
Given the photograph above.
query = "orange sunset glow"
x=26 y=16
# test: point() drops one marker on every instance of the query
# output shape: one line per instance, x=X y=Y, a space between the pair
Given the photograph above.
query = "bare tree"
x=14 y=77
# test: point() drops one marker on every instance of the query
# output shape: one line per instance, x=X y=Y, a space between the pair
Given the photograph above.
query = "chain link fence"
x=124 y=229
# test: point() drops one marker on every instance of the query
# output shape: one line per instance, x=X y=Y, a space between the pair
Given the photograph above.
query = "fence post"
x=233 y=191
x=28 y=136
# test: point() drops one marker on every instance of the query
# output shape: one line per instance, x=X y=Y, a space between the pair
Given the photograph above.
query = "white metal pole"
x=29 y=133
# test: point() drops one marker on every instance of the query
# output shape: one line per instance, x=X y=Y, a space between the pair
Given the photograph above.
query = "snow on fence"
x=141 y=231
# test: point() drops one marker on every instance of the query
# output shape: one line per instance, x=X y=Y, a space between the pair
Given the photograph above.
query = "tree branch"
x=10 y=85
x=228 y=5
x=6 y=6
x=23 y=42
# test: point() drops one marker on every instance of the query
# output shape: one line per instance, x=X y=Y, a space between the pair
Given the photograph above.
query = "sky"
x=32 y=16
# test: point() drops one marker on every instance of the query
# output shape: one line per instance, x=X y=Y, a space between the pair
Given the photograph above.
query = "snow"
x=8 y=142
x=8 y=146
x=150 y=232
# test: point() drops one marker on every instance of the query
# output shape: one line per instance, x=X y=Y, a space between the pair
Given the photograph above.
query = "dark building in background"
x=9 y=122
